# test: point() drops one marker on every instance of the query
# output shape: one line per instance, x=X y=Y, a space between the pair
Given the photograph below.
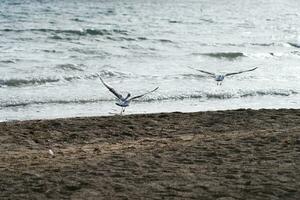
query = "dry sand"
x=225 y=155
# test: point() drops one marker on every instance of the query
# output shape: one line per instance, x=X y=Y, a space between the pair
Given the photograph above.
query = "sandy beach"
x=225 y=155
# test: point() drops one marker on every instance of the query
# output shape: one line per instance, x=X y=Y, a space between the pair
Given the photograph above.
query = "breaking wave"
x=297 y=45
x=165 y=41
x=263 y=44
x=159 y=97
x=226 y=95
x=19 y=82
x=15 y=82
x=175 y=22
x=8 y=61
x=70 y=67
x=29 y=103
x=223 y=55
x=84 y=32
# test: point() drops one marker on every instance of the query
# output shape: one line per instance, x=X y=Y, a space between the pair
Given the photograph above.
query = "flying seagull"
x=220 y=77
x=123 y=102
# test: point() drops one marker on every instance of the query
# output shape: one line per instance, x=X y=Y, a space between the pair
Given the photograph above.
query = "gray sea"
x=51 y=52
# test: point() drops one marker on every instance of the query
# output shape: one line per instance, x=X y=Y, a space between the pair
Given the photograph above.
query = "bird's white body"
x=220 y=77
x=123 y=104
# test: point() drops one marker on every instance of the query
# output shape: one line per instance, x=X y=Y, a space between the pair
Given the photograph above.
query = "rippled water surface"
x=51 y=52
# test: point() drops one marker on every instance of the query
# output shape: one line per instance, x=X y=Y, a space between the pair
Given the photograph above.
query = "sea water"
x=51 y=53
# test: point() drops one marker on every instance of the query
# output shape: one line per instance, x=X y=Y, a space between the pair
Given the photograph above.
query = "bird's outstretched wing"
x=209 y=73
x=135 y=97
x=230 y=74
x=112 y=90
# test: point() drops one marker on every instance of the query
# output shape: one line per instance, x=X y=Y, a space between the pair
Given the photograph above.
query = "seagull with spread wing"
x=220 y=77
x=123 y=102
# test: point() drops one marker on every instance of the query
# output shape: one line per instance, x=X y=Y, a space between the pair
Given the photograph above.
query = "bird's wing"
x=135 y=97
x=112 y=90
x=229 y=74
x=209 y=73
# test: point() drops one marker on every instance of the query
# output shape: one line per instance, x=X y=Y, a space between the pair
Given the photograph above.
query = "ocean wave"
x=263 y=44
x=175 y=22
x=142 y=38
x=19 y=82
x=223 y=55
x=269 y=93
x=160 y=97
x=297 y=45
x=77 y=20
x=165 y=41
x=30 y=103
x=200 y=21
x=120 y=38
x=8 y=61
x=57 y=37
x=208 y=20
x=70 y=67
x=90 y=51
x=189 y=76
x=71 y=32
x=110 y=74
x=15 y=82
x=296 y=53
x=51 y=51
x=242 y=44
x=225 y=95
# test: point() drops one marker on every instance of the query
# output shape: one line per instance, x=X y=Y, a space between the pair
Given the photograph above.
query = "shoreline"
x=233 y=154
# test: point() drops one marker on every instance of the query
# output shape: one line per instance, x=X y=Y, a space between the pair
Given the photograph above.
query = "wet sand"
x=225 y=155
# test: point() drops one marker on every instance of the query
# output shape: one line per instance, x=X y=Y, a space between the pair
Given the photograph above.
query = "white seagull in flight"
x=220 y=77
x=123 y=102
